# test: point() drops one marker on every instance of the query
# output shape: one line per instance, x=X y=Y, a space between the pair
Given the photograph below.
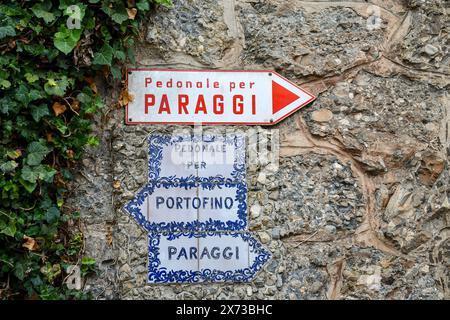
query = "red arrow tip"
x=281 y=97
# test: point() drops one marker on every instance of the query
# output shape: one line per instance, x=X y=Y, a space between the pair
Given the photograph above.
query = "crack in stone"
x=335 y=273
x=365 y=235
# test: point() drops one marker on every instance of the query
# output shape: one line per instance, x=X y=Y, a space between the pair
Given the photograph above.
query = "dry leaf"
x=30 y=243
x=116 y=184
x=76 y=104
x=59 y=180
x=35 y=296
x=131 y=13
x=125 y=97
x=92 y=84
x=106 y=70
x=70 y=153
x=49 y=136
x=25 y=40
x=58 y=108
x=12 y=44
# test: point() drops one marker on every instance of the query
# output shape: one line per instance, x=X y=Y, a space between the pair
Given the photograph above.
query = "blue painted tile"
x=193 y=257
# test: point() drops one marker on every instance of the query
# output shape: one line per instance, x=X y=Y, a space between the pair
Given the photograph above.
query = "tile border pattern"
x=172 y=230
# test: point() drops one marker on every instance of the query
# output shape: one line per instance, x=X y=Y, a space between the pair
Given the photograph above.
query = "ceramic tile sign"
x=198 y=206
x=194 y=183
x=250 y=97
x=206 y=158
x=204 y=257
x=194 y=207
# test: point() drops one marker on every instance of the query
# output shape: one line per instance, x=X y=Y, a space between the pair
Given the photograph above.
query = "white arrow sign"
x=211 y=97
x=199 y=257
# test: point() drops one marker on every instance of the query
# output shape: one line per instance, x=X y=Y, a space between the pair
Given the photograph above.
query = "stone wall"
x=359 y=207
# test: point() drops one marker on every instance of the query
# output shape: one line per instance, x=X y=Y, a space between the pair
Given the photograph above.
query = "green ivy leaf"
x=36 y=153
x=10 y=10
x=8 y=166
x=131 y=56
x=36 y=281
x=31 y=77
x=7 y=31
x=19 y=270
x=36 y=28
x=52 y=214
x=105 y=34
x=46 y=173
x=40 y=111
x=104 y=56
x=7 y=105
x=29 y=186
x=93 y=141
x=119 y=17
x=57 y=87
x=83 y=97
x=41 y=10
x=8 y=228
x=66 y=39
x=34 y=49
x=41 y=172
x=116 y=72
x=87 y=261
x=5 y=84
x=3 y=74
x=166 y=3
x=29 y=174
x=22 y=94
x=35 y=95
x=143 y=5
x=60 y=125
x=120 y=55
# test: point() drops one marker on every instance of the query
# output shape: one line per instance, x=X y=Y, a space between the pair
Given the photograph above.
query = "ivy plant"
x=50 y=52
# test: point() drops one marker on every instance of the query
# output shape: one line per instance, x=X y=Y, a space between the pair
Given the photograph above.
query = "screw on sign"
x=211 y=97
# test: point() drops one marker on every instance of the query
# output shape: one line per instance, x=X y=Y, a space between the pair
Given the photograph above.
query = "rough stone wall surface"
x=359 y=207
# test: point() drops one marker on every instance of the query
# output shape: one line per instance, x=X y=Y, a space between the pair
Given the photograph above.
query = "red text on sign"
x=207 y=84
x=185 y=105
